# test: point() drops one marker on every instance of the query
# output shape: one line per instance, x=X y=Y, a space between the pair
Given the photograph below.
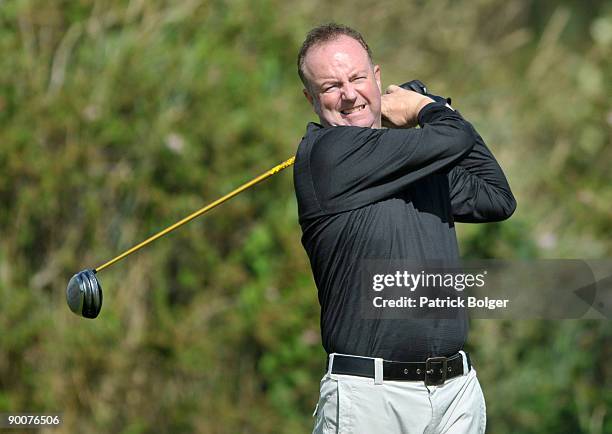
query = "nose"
x=348 y=92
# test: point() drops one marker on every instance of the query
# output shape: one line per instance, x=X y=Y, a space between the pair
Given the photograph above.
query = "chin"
x=357 y=121
x=366 y=123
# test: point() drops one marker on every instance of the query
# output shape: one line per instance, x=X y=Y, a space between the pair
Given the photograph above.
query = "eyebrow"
x=332 y=80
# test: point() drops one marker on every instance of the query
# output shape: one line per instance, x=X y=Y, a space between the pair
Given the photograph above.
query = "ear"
x=377 y=77
x=308 y=96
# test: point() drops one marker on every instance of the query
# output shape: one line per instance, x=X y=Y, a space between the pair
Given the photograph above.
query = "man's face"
x=344 y=87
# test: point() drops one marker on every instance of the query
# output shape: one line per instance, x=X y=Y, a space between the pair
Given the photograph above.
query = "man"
x=366 y=192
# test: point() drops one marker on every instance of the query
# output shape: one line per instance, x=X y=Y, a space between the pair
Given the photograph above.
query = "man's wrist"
x=432 y=111
x=424 y=101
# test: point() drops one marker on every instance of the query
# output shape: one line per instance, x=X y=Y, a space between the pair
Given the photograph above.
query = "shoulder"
x=330 y=144
x=339 y=140
x=348 y=134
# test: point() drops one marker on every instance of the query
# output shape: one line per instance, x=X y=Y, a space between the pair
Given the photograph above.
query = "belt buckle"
x=433 y=378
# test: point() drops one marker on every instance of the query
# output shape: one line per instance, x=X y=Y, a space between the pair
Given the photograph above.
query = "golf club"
x=84 y=292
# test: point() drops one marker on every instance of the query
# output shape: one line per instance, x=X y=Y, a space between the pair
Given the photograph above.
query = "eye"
x=360 y=78
x=329 y=88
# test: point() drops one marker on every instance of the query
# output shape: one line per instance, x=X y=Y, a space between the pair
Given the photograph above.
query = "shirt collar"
x=313 y=127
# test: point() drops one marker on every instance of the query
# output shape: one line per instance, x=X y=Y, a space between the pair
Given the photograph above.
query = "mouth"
x=352 y=110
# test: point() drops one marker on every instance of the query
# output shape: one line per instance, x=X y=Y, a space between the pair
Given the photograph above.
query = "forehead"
x=341 y=53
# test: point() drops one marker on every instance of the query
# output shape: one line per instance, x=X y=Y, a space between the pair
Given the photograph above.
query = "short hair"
x=325 y=33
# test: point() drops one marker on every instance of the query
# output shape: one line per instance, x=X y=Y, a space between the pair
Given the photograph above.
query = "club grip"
x=419 y=87
x=416 y=86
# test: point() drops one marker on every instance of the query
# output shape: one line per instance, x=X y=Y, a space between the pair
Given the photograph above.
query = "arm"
x=352 y=166
x=478 y=188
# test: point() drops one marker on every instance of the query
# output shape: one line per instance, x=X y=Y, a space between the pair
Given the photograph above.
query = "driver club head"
x=84 y=294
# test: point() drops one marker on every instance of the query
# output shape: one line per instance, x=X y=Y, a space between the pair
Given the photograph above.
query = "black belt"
x=434 y=371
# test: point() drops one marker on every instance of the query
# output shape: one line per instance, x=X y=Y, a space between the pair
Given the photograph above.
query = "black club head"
x=84 y=294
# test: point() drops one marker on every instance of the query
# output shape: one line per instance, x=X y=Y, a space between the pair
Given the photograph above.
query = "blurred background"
x=118 y=118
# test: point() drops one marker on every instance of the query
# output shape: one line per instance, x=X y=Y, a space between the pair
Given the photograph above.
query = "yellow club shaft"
x=199 y=212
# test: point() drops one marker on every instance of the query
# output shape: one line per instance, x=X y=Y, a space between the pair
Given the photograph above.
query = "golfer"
x=368 y=192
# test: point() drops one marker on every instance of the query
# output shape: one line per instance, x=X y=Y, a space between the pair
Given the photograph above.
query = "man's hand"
x=400 y=107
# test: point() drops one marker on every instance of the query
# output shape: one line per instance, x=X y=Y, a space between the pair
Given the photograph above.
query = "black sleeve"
x=353 y=167
x=478 y=188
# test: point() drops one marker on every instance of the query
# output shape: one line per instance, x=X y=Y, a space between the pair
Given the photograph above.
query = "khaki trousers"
x=356 y=405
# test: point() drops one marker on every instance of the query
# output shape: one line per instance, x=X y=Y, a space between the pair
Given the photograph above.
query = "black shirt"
x=367 y=193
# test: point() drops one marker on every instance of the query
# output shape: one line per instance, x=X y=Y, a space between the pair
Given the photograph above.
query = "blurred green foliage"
x=118 y=118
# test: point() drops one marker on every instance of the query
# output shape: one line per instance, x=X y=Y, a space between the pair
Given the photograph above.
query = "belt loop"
x=378 y=371
x=466 y=367
x=330 y=364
